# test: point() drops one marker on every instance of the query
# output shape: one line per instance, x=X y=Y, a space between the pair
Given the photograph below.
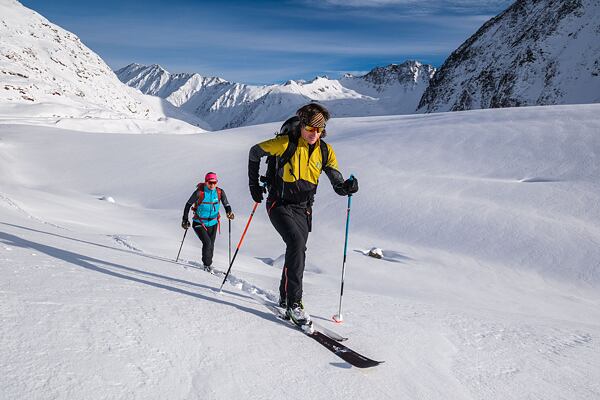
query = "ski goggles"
x=309 y=128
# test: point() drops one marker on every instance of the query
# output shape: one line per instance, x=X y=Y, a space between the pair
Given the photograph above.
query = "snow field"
x=490 y=290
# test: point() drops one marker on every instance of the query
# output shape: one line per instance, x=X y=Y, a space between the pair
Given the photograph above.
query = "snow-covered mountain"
x=395 y=89
x=537 y=52
x=52 y=72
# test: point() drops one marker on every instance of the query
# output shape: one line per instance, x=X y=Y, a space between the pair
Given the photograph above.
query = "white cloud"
x=419 y=5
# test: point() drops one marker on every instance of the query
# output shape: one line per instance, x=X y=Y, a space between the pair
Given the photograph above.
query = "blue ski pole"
x=338 y=317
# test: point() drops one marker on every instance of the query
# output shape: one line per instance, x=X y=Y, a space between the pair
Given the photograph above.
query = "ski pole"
x=184 y=233
x=238 y=246
x=229 y=241
x=338 y=317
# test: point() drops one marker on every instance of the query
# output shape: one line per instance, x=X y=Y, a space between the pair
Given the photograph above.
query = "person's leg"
x=207 y=256
x=207 y=243
x=292 y=225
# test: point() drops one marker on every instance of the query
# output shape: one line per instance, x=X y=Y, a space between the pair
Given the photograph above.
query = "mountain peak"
x=407 y=72
x=536 y=52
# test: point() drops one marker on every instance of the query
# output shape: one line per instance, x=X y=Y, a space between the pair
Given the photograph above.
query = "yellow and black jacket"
x=296 y=182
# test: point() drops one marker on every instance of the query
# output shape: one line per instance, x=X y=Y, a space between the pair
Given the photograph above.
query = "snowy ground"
x=488 y=289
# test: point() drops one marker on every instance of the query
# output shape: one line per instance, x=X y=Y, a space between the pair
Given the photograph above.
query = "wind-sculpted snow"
x=534 y=53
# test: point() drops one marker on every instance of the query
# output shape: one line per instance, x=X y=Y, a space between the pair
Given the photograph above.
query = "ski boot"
x=299 y=316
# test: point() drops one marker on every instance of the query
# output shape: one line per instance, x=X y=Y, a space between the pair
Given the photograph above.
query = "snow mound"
x=108 y=199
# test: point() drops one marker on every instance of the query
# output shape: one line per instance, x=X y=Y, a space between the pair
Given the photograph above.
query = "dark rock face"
x=405 y=73
x=537 y=52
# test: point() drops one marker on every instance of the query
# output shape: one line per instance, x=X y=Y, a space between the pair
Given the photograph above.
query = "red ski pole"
x=238 y=246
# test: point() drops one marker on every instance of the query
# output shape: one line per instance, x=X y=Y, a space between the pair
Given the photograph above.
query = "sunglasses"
x=212 y=182
x=309 y=128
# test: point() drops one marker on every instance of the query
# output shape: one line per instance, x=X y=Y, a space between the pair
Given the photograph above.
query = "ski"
x=331 y=343
x=350 y=356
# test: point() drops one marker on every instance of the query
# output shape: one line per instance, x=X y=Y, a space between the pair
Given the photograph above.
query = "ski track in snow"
x=15 y=206
x=125 y=242
x=238 y=283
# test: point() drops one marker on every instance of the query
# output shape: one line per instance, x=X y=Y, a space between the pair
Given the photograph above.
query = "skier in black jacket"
x=291 y=195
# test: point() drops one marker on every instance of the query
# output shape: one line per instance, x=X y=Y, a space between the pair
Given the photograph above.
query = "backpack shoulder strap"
x=324 y=154
x=200 y=192
x=219 y=193
x=289 y=151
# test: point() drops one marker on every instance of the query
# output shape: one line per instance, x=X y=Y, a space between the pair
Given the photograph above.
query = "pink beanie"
x=211 y=176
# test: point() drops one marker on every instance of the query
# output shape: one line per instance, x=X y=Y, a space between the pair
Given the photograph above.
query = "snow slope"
x=395 y=89
x=48 y=76
x=488 y=288
x=537 y=52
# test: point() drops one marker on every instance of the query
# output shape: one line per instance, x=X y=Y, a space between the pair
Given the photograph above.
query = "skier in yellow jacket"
x=298 y=156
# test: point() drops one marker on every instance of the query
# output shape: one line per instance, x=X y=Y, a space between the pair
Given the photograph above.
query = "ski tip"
x=371 y=364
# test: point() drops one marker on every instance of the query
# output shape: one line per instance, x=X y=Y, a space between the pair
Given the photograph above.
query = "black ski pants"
x=207 y=235
x=293 y=224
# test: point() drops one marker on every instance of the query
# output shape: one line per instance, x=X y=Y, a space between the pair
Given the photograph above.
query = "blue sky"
x=270 y=41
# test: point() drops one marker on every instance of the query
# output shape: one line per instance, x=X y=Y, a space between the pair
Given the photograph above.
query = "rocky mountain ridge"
x=395 y=89
x=536 y=52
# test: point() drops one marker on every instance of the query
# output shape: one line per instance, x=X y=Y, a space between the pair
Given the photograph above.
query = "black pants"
x=293 y=224
x=207 y=236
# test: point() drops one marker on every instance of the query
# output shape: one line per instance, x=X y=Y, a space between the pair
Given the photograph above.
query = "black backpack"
x=290 y=128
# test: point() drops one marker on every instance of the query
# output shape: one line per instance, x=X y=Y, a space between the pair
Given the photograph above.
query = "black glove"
x=257 y=193
x=185 y=223
x=350 y=185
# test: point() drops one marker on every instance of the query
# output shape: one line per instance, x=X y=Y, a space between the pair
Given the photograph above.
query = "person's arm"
x=340 y=186
x=271 y=147
x=185 y=222
x=225 y=202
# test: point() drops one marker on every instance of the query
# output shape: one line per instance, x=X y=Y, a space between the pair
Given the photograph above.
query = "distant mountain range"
x=395 y=89
x=537 y=52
